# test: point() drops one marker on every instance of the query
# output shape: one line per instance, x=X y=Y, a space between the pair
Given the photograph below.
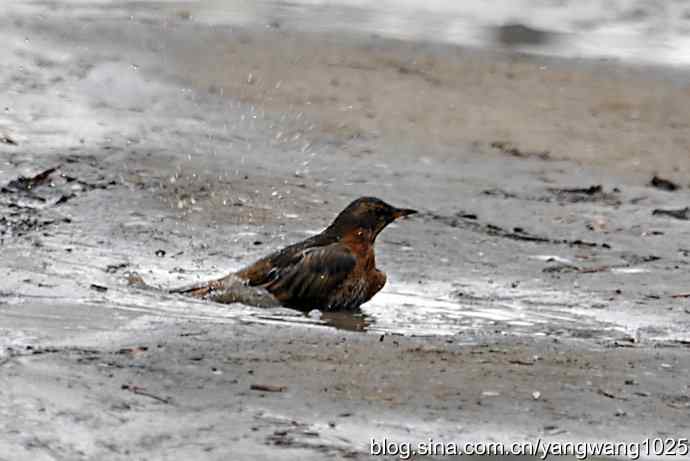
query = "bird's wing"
x=310 y=273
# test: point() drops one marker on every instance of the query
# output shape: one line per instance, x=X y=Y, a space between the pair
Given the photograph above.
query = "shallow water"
x=481 y=310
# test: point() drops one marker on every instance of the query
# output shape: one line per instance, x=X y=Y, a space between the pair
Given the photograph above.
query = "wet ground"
x=540 y=291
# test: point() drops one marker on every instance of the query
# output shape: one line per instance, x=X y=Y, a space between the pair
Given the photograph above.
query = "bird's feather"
x=309 y=276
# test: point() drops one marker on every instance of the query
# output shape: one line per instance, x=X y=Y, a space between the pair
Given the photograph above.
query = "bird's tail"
x=227 y=290
x=198 y=290
x=137 y=281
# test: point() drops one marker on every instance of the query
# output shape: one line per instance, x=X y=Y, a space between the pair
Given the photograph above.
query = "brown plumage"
x=333 y=270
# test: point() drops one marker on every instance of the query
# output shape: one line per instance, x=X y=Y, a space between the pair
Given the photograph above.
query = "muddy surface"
x=539 y=293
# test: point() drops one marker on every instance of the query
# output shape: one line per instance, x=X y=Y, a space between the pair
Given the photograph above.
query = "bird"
x=334 y=270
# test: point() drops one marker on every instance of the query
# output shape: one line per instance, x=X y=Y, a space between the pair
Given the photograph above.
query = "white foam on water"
x=556 y=258
x=630 y=270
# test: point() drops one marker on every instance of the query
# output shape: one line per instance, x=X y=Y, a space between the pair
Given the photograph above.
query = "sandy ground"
x=517 y=307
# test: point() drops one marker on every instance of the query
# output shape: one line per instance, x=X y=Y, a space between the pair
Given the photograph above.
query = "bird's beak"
x=400 y=212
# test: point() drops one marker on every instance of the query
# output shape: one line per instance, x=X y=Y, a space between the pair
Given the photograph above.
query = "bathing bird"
x=333 y=270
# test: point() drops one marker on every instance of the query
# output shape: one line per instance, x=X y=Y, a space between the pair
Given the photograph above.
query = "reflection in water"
x=351 y=321
x=342 y=320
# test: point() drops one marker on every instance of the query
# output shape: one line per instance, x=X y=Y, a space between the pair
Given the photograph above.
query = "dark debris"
x=29 y=204
x=509 y=148
x=7 y=140
x=663 y=184
x=680 y=213
x=24 y=184
x=594 y=193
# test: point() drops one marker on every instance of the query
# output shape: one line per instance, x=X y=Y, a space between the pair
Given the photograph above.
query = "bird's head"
x=368 y=214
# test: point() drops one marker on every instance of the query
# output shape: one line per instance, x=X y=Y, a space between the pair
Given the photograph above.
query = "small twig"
x=99 y=288
x=521 y=362
x=140 y=391
x=610 y=395
x=268 y=387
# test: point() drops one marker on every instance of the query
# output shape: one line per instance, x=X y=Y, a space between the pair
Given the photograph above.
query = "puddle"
x=480 y=309
x=474 y=311
x=410 y=311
